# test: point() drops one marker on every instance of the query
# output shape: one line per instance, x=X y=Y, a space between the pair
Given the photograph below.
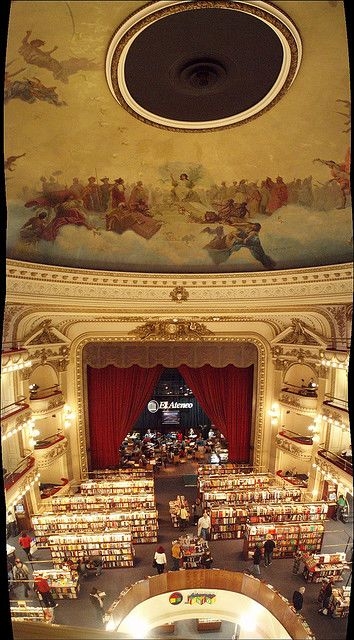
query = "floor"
x=169 y=483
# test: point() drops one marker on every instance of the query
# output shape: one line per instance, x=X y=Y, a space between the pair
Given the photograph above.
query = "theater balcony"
x=49 y=450
x=16 y=413
x=303 y=399
x=44 y=400
x=14 y=358
x=334 y=463
x=294 y=443
x=339 y=406
x=22 y=473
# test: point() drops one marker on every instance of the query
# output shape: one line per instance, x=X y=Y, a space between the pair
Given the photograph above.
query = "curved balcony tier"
x=292 y=398
x=49 y=450
x=43 y=401
x=336 y=462
x=297 y=445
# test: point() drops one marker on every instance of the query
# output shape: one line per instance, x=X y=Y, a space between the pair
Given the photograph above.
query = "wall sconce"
x=68 y=416
x=274 y=413
x=315 y=428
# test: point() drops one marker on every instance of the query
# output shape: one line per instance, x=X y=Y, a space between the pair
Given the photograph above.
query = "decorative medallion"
x=202 y=65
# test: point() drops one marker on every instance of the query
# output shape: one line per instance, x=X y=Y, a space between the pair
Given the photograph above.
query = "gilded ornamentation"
x=171 y=330
x=179 y=294
x=45 y=457
x=290 y=447
x=299 y=334
x=298 y=402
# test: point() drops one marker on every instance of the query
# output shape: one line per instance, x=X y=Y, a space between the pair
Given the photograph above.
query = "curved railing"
x=210 y=579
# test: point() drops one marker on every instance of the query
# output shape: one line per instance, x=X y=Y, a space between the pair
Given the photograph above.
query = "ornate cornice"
x=171 y=330
x=326 y=285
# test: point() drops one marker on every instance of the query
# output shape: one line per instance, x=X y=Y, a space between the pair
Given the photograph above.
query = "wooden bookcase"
x=142 y=524
x=208 y=624
x=228 y=522
x=98 y=502
x=113 y=487
x=339 y=604
x=234 y=481
x=288 y=538
x=328 y=565
x=115 y=548
x=21 y=611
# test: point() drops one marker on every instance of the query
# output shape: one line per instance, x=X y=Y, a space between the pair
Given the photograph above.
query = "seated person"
x=97 y=563
x=88 y=567
x=347 y=453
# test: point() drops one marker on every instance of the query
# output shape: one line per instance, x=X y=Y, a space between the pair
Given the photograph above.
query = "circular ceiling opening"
x=200 y=66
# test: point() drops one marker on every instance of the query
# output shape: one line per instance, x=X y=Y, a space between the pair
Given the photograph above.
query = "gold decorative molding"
x=179 y=294
x=296 y=450
x=214 y=350
x=68 y=288
x=171 y=330
x=46 y=457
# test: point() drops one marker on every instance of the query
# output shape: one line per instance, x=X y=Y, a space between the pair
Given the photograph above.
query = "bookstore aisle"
x=227 y=554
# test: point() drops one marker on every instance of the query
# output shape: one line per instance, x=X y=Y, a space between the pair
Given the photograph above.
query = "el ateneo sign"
x=154 y=406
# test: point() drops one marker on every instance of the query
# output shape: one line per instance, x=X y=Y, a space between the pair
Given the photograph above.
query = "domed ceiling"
x=178 y=137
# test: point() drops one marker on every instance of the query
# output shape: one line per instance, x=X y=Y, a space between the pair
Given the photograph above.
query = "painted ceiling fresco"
x=90 y=186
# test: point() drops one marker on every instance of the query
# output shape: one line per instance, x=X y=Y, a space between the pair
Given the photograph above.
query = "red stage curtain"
x=226 y=396
x=116 y=397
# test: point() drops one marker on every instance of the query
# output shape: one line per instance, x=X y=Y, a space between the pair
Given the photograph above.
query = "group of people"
x=168 y=449
x=160 y=559
x=265 y=550
x=21 y=577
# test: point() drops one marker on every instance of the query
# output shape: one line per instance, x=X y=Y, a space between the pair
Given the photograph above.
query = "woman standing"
x=160 y=559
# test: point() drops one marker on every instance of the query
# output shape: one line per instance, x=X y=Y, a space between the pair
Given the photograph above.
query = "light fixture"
x=33 y=389
x=274 y=413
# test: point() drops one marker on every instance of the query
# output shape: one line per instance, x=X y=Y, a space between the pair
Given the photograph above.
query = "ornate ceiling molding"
x=224 y=93
x=49 y=285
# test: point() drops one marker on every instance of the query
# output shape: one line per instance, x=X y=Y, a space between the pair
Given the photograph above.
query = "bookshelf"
x=142 y=524
x=234 y=481
x=23 y=611
x=226 y=469
x=288 y=538
x=112 y=487
x=115 y=548
x=328 y=565
x=288 y=512
x=339 y=604
x=98 y=502
x=275 y=494
x=120 y=474
x=228 y=522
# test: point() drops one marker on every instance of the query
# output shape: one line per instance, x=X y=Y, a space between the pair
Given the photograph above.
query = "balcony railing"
x=336 y=459
x=296 y=437
x=10 y=478
x=303 y=390
x=13 y=408
x=336 y=403
x=37 y=393
x=44 y=443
